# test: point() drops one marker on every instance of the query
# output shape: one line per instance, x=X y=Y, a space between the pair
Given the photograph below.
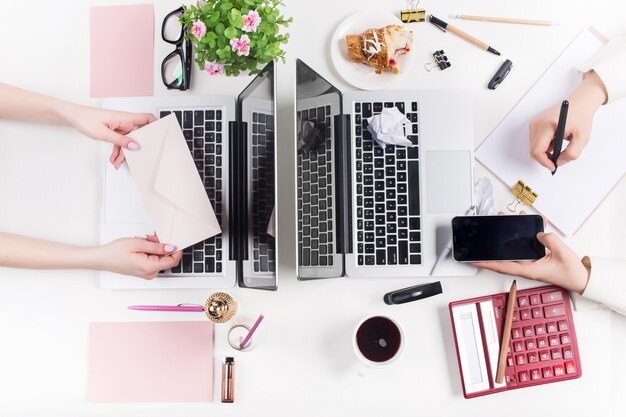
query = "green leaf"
x=235 y=18
x=230 y=32
x=219 y=29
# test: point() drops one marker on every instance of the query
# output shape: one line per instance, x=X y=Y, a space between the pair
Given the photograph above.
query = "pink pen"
x=168 y=308
x=245 y=341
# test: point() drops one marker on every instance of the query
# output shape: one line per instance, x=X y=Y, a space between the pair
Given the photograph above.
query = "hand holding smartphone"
x=497 y=238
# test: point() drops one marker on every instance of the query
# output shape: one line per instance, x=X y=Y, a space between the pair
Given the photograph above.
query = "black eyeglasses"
x=176 y=67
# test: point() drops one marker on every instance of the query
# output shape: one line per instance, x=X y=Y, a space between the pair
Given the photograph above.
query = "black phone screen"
x=497 y=238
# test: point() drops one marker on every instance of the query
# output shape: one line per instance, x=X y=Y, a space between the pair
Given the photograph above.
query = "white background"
x=303 y=364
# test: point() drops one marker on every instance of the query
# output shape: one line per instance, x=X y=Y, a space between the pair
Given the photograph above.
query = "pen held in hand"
x=560 y=134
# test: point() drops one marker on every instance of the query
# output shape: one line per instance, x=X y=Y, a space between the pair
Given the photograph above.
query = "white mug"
x=381 y=339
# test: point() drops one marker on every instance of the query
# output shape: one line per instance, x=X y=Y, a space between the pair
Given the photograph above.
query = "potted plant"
x=231 y=36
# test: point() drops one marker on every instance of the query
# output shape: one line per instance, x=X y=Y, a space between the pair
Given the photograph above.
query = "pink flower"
x=214 y=68
x=198 y=29
x=251 y=21
x=241 y=45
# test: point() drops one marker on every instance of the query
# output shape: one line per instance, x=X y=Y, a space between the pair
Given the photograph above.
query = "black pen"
x=560 y=133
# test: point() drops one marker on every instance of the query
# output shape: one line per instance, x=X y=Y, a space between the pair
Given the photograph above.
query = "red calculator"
x=542 y=349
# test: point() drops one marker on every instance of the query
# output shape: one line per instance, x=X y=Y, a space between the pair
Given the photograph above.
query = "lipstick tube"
x=228 y=380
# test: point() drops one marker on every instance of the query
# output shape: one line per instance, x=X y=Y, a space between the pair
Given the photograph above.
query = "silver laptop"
x=368 y=211
x=233 y=145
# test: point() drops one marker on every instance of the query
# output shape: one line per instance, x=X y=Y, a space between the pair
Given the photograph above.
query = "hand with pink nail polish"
x=109 y=126
x=100 y=124
x=138 y=257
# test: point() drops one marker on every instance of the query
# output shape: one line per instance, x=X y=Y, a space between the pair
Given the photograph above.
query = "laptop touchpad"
x=121 y=197
x=448 y=181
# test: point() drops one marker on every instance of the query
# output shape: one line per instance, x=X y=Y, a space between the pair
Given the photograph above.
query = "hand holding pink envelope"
x=170 y=186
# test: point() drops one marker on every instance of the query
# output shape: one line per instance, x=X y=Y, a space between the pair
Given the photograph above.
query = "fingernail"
x=133 y=146
x=169 y=248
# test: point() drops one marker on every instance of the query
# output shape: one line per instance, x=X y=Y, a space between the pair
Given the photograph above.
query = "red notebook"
x=542 y=349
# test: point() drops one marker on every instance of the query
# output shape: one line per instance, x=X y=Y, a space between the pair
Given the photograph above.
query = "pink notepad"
x=151 y=362
x=122 y=51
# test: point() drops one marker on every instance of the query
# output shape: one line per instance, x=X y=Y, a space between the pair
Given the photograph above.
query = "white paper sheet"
x=569 y=197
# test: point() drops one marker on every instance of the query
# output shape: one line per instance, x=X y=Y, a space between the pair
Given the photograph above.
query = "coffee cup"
x=378 y=341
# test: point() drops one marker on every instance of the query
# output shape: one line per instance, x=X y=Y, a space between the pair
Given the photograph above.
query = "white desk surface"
x=303 y=364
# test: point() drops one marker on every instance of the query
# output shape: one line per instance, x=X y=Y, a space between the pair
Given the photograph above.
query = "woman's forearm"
x=25 y=252
x=22 y=105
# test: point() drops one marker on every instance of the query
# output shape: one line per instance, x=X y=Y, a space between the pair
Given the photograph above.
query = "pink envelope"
x=151 y=362
x=169 y=184
x=122 y=51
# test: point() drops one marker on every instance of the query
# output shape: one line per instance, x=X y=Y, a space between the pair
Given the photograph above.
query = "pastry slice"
x=379 y=48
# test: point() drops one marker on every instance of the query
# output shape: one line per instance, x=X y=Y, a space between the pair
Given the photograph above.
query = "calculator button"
x=565 y=340
x=516 y=333
x=515 y=316
x=559 y=370
x=523 y=376
x=518 y=346
x=554 y=311
x=535 y=374
x=544 y=355
x=522 y=301
x=568 y=353
x=547 y=372
x=540 y=329
x=534 y=299
x=528 y=331
x=509 y=361
x=551 y=327
x=551 y=297
x=570 y=367
x=520 y=359
x=510 y=379
x=542 y=342
x=537 y=313
x=525 y=314
x=530 y=344
x=556 y=353
x=562 y=326
x=533 y=357
x=553 y=340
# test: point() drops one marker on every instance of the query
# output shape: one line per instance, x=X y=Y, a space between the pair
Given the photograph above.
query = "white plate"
x=360 y=75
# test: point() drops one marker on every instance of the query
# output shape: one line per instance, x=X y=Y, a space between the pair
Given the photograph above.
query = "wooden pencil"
x=506 y=333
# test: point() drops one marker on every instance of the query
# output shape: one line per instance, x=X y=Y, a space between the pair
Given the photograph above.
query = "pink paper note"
x=122 y=51
x=151 y=362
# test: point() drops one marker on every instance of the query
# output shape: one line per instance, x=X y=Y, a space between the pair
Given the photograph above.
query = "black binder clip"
x=441 y=61
x=413 y=14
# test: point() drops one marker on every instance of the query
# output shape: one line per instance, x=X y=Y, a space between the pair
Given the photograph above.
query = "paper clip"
x=523 y=195
x=441 y=61
x=413 y=14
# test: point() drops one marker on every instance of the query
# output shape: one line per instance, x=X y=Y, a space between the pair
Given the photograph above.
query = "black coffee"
x=378 y=339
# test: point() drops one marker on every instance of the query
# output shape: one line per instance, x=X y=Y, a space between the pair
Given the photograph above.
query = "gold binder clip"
x=523 y=195
x=413 y=14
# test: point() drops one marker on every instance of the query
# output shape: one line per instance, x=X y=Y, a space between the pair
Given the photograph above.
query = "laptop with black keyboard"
x=367 y=210
x=233 y=146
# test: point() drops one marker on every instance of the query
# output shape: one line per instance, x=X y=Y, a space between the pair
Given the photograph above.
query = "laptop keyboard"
x=388 y=222
x=315 y=193
x=203 y=133
x=264 y=245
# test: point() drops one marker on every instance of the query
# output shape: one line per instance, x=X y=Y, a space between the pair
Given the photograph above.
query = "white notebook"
x=569 y=197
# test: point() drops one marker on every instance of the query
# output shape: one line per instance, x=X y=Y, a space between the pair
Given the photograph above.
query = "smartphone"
x=497 y=238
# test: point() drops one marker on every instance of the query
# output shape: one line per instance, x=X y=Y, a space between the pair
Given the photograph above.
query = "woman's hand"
x=560 y=266
x=109 y=126
x=583 y=103
x=140 y=257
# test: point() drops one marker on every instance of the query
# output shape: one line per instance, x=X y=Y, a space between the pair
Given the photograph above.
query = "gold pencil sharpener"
x=220 y=307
